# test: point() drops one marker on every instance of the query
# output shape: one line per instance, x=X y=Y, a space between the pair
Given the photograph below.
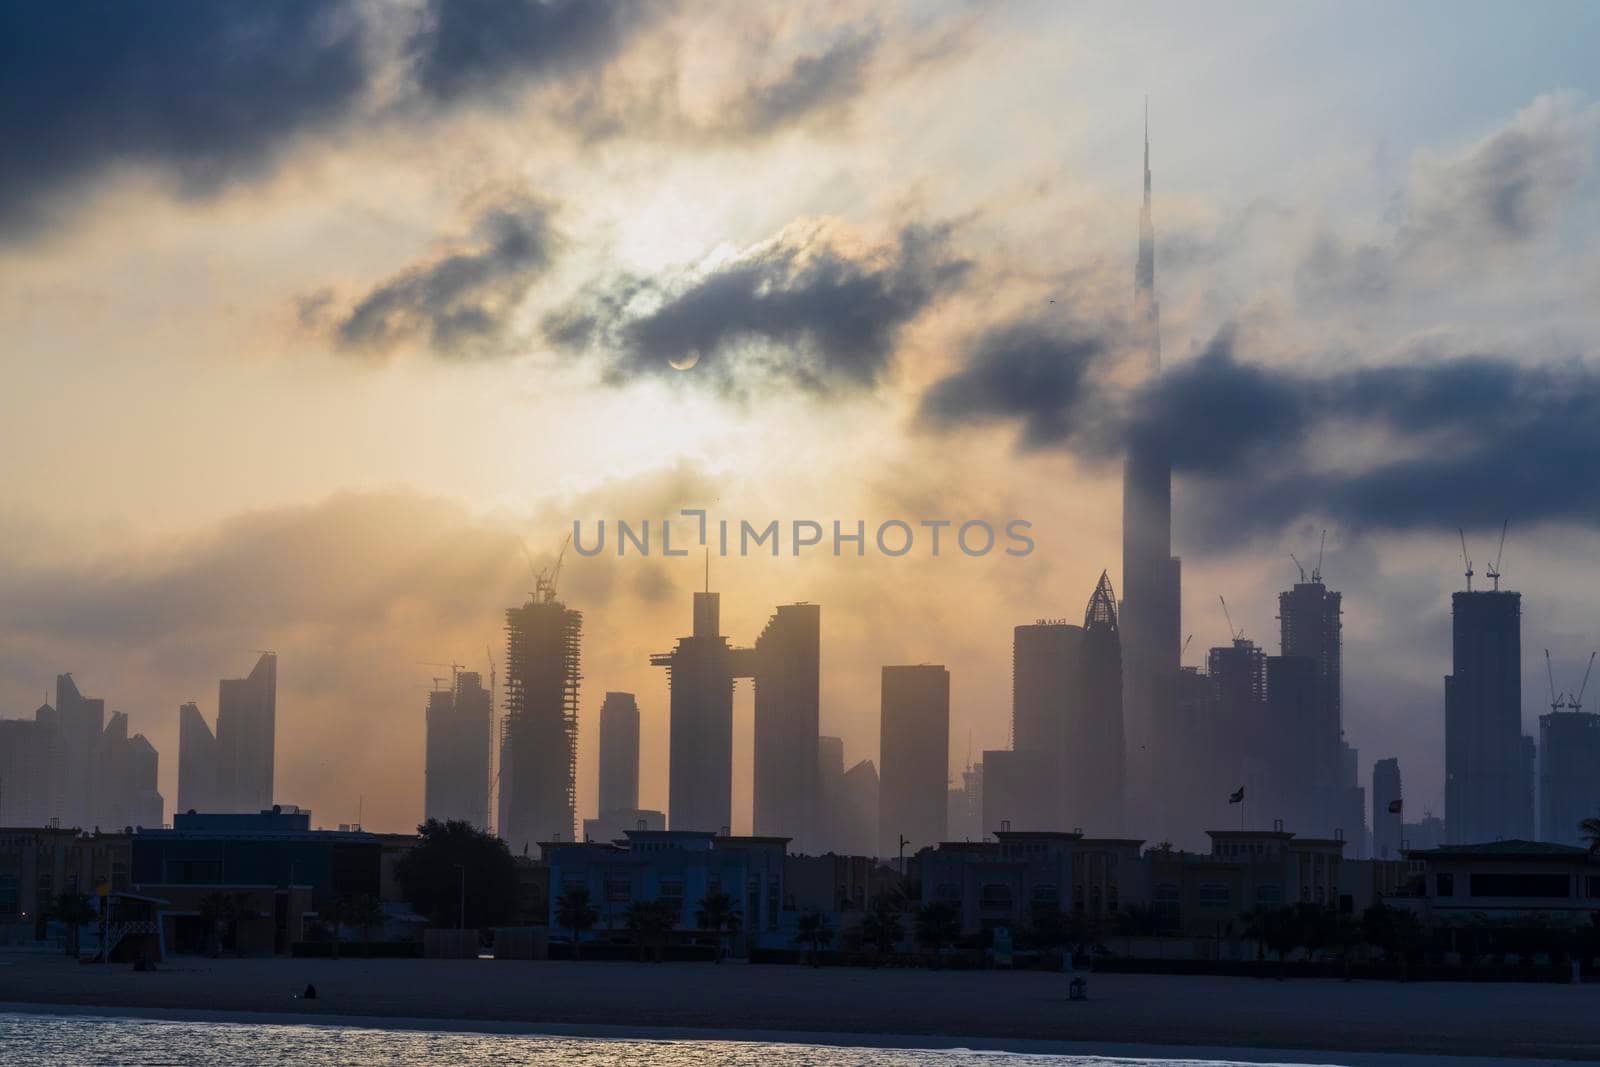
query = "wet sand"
x=929 y=1008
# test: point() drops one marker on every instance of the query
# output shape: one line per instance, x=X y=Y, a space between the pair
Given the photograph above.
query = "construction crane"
x=455 y=669
x=1237 y=635
x=1316 y=572
x=1464 y=558
x=1493 y=571
x=1300 y=567
x=1576 y=702
x=1184 y=649
x=544 y=581
x=1556 y=704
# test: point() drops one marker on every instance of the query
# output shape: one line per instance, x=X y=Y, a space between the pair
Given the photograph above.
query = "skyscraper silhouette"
x=787 y=694
x=1388 y=810
x=619 y=753
x=460 y=731
x=701 y=670
x=247 y=730
x=1149 y=622
x=539 y=735
x=1569 y=774
x=197 y=763
x=1487 y=794
x=913 y=757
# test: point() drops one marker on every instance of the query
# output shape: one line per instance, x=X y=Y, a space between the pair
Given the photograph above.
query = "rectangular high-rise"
x=197 y=763
x=913 y=757
x=116 y=773
x=619 y=753
x=459 y=734
x=247 y=728
x=539 y=735
x=700 y=671
x=1388 y=810
x=830 y=786
x=1486 y=787
x=787 y=699
x=1569 y=774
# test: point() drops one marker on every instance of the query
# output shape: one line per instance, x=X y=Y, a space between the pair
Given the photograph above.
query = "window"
x=948 y=891
x=1215 y=895
x=8 y=894
x=1045 y=893
x=1444 y=884
x=772 y=905
x=1543 y=886
x=619 y=889
x=1594 y=886
x=1111 y=898
x=1269 y=893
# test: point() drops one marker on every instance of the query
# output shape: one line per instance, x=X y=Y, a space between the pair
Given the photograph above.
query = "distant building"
x=38 y=864
x=858 y=811
x=460 y=734
x=1388 y=819
x=1569 y=774
x=198 y=789
x=964 y=821
x=1427 y=832
x=830 y=789
x=1248 y=748
x=539 y=735
x=247 y=718
x=70 y=767
x=1487 y=788
x=787 y=661
x=1009 y=792
x=1509 y=879
x=914 y=753
x=619 y=753
x=1067 y=718
x=701 y=670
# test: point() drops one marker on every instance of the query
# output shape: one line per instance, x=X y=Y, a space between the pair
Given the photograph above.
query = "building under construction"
x=539 y=734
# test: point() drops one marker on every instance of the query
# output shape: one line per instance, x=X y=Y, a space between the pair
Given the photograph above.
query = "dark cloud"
x=208 y=90
x=797 y=311
x=814 y=84
x=1033 y=371
x=1467 y=440
x=458 y=305
x=471 y=48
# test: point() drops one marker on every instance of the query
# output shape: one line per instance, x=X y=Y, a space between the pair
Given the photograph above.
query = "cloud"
x=459 y=304
x=210 y=91
x=814 y=84
x=801 y=310
x=473 y=48
x=1429 y=443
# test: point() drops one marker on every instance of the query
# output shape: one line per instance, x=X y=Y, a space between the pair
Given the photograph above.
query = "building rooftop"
x=1513 y=849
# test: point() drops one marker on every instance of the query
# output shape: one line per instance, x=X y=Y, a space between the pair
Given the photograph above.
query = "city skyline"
x=343 y=458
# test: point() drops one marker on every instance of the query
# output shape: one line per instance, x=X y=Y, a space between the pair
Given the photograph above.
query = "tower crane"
x=1576 y=702
x=1556 y=703
x=1301 y=567
x=1493 y=571
x=1237 y=635
x=1316 y=572
x=1464 y=558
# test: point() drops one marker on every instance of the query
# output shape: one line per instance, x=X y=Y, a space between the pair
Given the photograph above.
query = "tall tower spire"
x=1148 y=311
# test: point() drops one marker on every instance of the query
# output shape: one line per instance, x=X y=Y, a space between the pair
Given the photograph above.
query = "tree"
x=362 y=911
x=813 y=930
x=716 y=913
x=1590 y=829
x=938 y=924
x=650 y=921
x=74 y=911
x=432 y=883
x=576 y=913
x=1395 y=931
x=880 y=926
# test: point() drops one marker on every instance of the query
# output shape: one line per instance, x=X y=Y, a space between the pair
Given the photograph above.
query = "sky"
x=321 y=323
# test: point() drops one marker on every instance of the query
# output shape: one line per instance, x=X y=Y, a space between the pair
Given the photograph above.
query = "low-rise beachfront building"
x=681 y=867
x=1505 y=881
x=280 y=878
x=39 y=864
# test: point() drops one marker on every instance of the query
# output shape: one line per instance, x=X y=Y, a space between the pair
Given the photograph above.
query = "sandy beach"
x=1457 y=1019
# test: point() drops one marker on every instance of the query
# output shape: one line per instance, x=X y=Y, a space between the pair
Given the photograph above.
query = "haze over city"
x=322 y=381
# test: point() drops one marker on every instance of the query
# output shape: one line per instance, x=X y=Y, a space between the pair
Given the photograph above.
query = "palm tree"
x=880 y=926
x=73 y=910
x=576 y=913
x=650 y=922
x=716 y=913
x=813 y=930
x=937 y=924
x=1590 y=829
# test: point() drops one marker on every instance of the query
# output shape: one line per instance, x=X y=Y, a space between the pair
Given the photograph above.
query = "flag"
x=1237 y=796
x=1395 y=806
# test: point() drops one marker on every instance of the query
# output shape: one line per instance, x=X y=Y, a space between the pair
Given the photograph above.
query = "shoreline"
x=1129 y=1016
x=912 y=1042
